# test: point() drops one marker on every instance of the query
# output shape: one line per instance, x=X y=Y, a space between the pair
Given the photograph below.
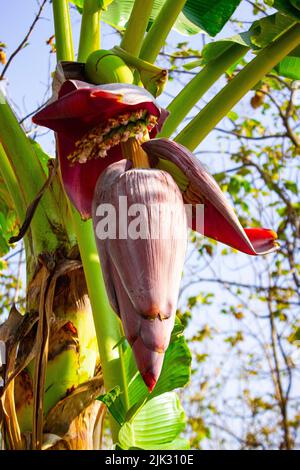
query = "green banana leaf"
x=289 y=67
x=42 y=156
x=288 y=7
x=119 y=11
x=9 y=224
x=196 y=16
x=296 y=4
x=213 y=50
x=114 y=405
x=261 y=33
x=210 y=16
x=157 y=425
x=170 y=378
x=267 y=29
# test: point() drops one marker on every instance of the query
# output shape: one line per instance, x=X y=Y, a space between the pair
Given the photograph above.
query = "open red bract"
x=80 y=107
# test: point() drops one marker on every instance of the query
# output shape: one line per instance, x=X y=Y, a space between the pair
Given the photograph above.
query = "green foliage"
x=139 y=400
x=210 y=16
x=196 y=16
x=119 y=11
x=214 y=49
x=288 y=7
x=261 y=33
x=267 y=29
x=157 y=425
x=9 y=223
x=289 y=67
x=41 y=155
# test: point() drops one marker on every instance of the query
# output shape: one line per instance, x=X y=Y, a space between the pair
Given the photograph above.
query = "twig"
x=288 y=368
x=13 y=255
x=31 y=113
x=278 y=384
x=262 y=137
x=285 y=117
x=237 y=284
x=185 y=72
x=180 y=57
x=279 y=80
x=259 y=8
x=23 y=43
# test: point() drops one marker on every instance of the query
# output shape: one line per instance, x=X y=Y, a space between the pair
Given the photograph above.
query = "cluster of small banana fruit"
x=97 y=142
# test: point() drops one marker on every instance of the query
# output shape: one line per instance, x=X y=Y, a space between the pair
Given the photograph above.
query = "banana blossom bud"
x=142 y=271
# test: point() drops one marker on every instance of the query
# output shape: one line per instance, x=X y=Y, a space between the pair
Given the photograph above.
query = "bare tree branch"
x=24 y=41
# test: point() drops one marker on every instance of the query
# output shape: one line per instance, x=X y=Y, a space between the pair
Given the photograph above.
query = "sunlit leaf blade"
x=289 y=67
x=296 y=4
x=119 y=11
x=42 y=156
x=261 y=33
x=197 y=15
x=211 y=16
x=269 y=28
x=115 y=406
x=156 y=426
x=78 y=3
x=213 y=50
x=9 y=224
x=184 y=26
x=171 y=377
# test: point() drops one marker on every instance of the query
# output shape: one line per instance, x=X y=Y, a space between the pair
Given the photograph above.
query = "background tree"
x=241 y=314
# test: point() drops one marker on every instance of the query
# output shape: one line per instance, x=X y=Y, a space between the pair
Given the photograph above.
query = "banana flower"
x=93 y=125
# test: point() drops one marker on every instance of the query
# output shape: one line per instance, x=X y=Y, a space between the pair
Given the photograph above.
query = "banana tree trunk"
x=52 y=374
